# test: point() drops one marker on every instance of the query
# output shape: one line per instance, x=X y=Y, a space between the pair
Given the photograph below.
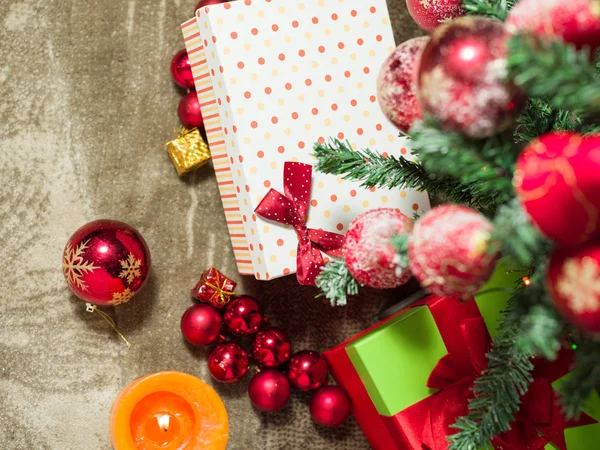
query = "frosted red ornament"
x=461 y=78
x=228 y=362
x=396 y=84
x=106 y=262
x=448 y=251
x=243 y=316
x=430 y=14
x=189 y=111
x=181 y=71
x=269 y=390
x=201 y=324
x=556 y=180
x=271 y=347
x=574 y=21
x=574 y=284
x=330 y=406
x=308 y=370
x=367 y=252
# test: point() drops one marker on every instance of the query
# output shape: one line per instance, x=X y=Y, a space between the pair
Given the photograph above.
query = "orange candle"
x=169 y=411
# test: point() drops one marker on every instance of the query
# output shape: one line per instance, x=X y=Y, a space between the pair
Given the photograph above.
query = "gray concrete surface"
x=86 y=102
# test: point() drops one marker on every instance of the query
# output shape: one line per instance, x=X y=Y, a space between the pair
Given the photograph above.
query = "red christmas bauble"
x=330 y=406
x=228 y=362
x=181 y=70
x=189 y=111
x=201 y=324
x=430 y=14
x=574 y=21
x=461 y=78
x=368 y=255
x=449 y=253
x=574 y=284
x=243 y=316
x=269 y=390
x=556 y=180
x=308 y=370
x=396 y=84
x=106 y=262
x=271 y=347
x=202 y=3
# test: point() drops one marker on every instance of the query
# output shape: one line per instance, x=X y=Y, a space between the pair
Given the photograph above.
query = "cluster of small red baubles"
x=106 y=262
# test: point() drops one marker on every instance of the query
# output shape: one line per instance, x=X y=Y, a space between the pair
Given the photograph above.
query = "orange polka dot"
x=212 y=72
x=231 y=160
x=314 y=203
x=321 y=49
x=403 y=151
x=257 y=274
x=205 y=43
x=251 y=247
x=274 y=119
x=379 y=38
x=214 y=39
x=315 y=111
x=280 y=242
x=247 y=2
x=288 y=86
x=385 y=154
x=234 y=35
x=328 y=78
x=347 y=74
x=415 y=206
x=247 y=188
x=321 y=140
x=240 y=65
x=234 y=129
x=261 y=60
x=247 y=94
x=308 y=81
x=286 y=271
x=260 y=154
x=275 y=27
x=301 y=52
x=334 y=107
x=340 y=135
x=315 y=20
x=353 y=13
x=260 y=247
x=340 y=226
x=340 y=45
x=334 y=198
x=360 y=41
x=281 y=149
x=372 y=189
x=373 y=99
x=244 y=218
x=254 y=31
x=366 y=70
x=378 y=127
x=254 y=124
x=295 y=24
x=300 y=144
x=334 y=16
x=254 y=217
x=267 y=183
x=268 y=90
x=237 y=188
x=267 y=276
x=281 y=57
x=359 y=131
x=372 y=9
x=226 y=6
x=353 y=102
x=326 y=259
x=225 y=130
x=294 y=115
x=228 y=99
x=352 y=193
x=219 y=101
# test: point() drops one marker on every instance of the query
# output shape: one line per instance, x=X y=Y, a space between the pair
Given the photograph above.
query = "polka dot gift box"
x=273 y=77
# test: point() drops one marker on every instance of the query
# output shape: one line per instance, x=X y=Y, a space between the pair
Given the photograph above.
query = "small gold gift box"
x=188 y=151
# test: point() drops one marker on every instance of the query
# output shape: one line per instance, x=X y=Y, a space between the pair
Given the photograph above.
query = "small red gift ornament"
x=214 y=288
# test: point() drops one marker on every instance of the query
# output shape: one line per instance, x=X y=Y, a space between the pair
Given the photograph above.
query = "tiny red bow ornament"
x=427 y=424
x=291 y=208
x=214 y=288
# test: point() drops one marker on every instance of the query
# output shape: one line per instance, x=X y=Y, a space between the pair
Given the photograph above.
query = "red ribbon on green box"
x=410 y=376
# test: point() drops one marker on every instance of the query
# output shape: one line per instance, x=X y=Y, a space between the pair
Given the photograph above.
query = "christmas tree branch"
x=336 y=282
x=494 y=9
x=557 y=71
x=584 y=379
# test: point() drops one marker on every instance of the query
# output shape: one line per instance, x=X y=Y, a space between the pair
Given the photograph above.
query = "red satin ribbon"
x=426 y=424
x=292 y=209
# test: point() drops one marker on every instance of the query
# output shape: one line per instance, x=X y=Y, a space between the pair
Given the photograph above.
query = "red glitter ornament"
x=308 y=370
x=556 y=181
x=368 y=255
x=574 y=284
x=396 y=84
x=574 y=21
x=202 y=3
x=271 y=347
x=269 y=390
x=106 y=262
x=201 y=324
x=448 y=251
x=181 y=70
x=189 y=111
x=228 y=362
x=330 y=406
x=243 y=316
x=461 y=78
x=430 y=14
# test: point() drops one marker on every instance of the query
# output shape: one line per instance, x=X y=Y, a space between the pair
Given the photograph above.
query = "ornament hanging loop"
x=94 y=309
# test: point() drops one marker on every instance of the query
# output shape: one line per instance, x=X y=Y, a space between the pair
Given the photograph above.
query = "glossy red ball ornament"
x=449 y=251
x=189 y=111
x=330 y=406
x=106 y=262
x=181 y=70
x=556 y=180
x=461 y=78
x=574 y=284
x=574 y=21
x=203 y=3
x=308 y=370
x=367 y=252
x=243 y=316
x=269 y=390
x=396 y=84
x=430 y=14
x=228 y=362
x=271 y=347
x=201 y=324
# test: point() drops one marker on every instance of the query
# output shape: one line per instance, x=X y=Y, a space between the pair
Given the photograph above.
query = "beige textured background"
x=86 y=101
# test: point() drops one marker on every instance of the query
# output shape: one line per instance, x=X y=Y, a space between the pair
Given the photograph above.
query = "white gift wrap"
x=284 y=75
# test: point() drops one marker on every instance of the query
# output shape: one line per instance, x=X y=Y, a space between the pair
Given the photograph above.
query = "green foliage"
x=494 y=9
x=539 y=331
x=400 y=244
x=336 y=282
x=585 y=378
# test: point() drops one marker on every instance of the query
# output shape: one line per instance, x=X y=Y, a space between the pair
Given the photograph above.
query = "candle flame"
x=163 y=422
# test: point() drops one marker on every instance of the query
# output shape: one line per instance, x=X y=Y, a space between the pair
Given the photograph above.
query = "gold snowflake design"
x=131 y=268
x=579 y=283
x=74 y=266
x=121 y=297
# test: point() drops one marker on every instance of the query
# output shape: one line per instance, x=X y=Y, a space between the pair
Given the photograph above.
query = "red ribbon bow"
x=426 y=424
x=291 y=209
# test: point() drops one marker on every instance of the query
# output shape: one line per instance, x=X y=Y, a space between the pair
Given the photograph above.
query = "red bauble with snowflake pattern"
x=368 y=254
x=106 y=262
x=430 y=14
x=574 y=21
x=449 y=251
x=396 y=84
x=574 y=284
x=462 y=78
x=556 y=180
